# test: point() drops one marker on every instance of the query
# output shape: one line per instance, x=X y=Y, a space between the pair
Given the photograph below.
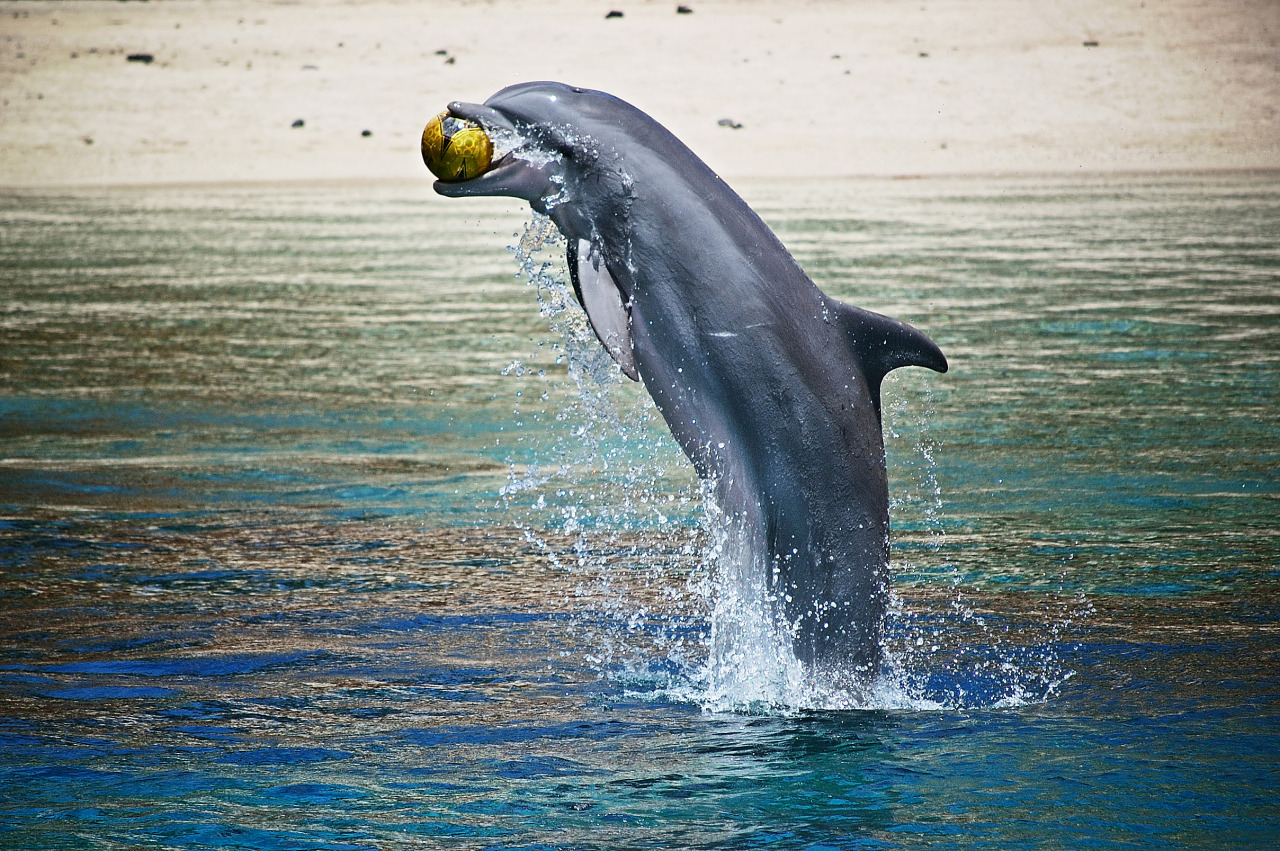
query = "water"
x=321 y=529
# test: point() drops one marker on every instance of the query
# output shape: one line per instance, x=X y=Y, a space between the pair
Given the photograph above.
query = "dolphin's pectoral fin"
x=602 y=300
x=573 y=269
x=883 y=344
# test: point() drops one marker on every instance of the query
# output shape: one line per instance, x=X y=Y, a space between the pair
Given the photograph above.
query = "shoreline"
x=821 y=89
x=425 y=184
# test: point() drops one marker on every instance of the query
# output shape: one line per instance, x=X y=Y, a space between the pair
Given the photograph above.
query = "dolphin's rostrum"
x=771 y=388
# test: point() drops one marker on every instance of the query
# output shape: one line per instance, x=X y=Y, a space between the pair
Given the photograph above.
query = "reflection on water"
x=309 y=539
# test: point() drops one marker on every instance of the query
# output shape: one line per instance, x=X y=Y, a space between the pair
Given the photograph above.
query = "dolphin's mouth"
x=506 y=136
x=511 y=176
x=521 y=167
x=481 y=184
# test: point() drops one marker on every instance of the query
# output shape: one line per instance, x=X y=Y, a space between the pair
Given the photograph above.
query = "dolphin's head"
x=564 y=149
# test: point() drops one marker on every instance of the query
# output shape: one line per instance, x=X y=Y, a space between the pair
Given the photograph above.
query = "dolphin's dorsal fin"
x=882 y=344
x=602 y=300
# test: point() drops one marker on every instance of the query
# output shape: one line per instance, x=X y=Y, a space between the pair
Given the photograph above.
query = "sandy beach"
x=819 y=88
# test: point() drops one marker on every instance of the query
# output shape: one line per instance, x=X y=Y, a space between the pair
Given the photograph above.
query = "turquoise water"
x=320 y=528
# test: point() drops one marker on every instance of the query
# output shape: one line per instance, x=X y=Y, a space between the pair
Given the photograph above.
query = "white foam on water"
x=749 y=663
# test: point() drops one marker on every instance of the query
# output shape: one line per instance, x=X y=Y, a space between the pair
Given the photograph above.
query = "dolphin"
x=770 y=387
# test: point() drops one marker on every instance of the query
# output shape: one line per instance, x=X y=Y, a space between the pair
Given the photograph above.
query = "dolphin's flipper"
x=601 y=299
x=882 y=344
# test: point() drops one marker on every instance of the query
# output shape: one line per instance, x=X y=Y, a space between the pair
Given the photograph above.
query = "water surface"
x=322 y=529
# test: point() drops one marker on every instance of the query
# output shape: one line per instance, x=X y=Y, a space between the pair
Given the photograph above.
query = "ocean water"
x=324 y=525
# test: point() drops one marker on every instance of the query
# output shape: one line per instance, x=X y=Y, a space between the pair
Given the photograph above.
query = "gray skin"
x=771 y=388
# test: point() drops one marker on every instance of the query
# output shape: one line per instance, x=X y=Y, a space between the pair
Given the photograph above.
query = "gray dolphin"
x=771 y=388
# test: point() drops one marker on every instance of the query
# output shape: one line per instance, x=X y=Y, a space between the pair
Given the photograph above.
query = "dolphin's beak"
x=509 y=175
x=487 y=117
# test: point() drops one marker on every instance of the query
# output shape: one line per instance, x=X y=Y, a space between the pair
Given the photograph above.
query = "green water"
x=322 y=529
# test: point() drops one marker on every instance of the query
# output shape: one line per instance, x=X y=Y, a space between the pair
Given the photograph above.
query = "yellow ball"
x=455 y=149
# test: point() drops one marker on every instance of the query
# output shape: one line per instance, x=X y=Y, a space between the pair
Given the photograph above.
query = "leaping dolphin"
x=771 y=388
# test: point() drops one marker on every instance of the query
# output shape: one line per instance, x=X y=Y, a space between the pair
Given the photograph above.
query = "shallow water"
x=312 y=537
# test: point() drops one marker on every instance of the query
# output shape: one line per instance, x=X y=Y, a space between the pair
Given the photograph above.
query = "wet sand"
x=819 y=88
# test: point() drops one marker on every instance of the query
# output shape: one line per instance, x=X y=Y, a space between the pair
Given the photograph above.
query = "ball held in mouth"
x=455 y=148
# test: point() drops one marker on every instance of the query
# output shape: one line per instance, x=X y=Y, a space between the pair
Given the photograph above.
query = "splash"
x=672 y=598
x=749 y=664
x=617 y=505
x=941 y=649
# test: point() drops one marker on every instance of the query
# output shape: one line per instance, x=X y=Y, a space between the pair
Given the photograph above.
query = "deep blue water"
x=321 y=529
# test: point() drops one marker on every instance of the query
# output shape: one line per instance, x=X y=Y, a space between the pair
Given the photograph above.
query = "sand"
x=819 y=88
